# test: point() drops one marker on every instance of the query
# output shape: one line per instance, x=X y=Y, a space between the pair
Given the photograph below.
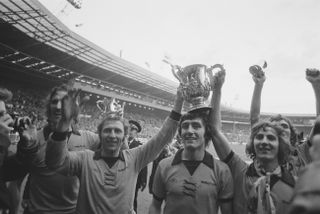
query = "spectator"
x=135 y=128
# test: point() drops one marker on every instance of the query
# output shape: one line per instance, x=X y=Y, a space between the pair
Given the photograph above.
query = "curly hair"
x=284 y=145
x=205 y=120
x=293 y=131
x=5 y=94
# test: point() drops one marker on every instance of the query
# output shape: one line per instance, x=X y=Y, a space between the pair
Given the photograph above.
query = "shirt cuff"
x=157 y=198
x=225 y=200
x=228 y=158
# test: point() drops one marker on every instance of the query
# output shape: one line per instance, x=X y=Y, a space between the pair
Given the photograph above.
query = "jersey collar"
x=207 y=159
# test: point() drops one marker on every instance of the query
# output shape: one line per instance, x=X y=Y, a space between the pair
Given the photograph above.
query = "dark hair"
x=284 y=145
x=114 y=118
x=293 y=131
x=5 y=94
x=205 y=120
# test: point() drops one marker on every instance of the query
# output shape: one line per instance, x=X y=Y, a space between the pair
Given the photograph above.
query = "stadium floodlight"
x=76 y=3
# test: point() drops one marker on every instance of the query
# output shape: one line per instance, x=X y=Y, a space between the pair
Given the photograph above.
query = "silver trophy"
x=197 y=82
x=110 y=107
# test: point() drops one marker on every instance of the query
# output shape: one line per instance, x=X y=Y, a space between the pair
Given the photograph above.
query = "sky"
x=237 y=34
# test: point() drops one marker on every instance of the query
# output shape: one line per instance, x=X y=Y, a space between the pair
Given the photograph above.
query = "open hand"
x=70 y=110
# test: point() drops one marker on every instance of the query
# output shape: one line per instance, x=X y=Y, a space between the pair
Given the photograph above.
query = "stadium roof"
x=43 y=29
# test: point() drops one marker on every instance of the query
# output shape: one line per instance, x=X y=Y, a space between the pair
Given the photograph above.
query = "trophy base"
x=200 y=103
x=196 y=108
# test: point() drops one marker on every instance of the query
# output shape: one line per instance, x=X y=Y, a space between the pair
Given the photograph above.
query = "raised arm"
x=259 y=78
x=57 y=155
x=218 y=80
x=220 y=143
x=150 y=150
x=313 y=76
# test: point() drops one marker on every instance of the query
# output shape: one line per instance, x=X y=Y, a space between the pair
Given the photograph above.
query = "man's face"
x=132 y=133
x=56 y=106
x=266 y=144
x=112 y=136
x=286 y=128
x=3 y=110
x=315 y=148
x=192 y=133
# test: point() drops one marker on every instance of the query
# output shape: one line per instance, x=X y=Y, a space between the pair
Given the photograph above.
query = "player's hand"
x=219 y=78
x=180 y=92
x=313 y=76
x=70 y=110
x=258 y=75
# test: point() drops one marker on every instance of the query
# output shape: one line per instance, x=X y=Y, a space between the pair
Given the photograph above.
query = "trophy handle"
x=101 y=105
x=177 y=69
x=174 y=69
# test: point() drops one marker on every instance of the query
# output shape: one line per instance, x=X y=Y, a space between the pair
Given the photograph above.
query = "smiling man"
x=108 y=176
x=193 y=181
x=264 y=186
x=47 y=190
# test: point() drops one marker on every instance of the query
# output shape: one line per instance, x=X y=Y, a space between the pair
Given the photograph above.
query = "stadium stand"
x=37 y=52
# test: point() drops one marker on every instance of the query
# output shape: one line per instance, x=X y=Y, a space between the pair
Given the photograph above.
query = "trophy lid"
x=194 y=66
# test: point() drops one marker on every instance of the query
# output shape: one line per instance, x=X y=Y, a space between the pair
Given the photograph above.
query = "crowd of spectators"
x=27 y=101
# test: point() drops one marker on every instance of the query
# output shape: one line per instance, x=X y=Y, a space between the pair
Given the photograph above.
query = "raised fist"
x=219 y=78
x=312 y=75
x=257 y=73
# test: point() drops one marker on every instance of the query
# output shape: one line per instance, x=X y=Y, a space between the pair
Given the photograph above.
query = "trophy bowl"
x=196 y=82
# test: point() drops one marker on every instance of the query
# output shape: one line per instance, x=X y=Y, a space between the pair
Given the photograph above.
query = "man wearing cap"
x=134 y=129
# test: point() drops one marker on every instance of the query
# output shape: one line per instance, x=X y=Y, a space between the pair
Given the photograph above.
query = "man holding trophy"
x=192 y=181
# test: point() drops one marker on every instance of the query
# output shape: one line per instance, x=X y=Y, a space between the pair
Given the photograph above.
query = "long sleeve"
x=60 y=159
x=150 y=150
x=12 y=169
